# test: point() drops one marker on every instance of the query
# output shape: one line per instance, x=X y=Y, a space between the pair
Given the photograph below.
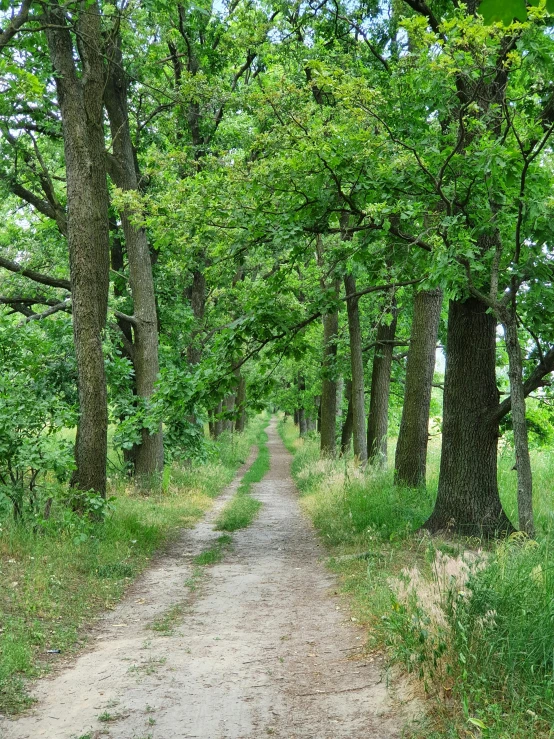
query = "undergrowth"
x=475 y=626
x=241 y=510
x=57 y=575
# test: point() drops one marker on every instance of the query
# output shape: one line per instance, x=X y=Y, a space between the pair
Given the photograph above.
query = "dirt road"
x=258 y=646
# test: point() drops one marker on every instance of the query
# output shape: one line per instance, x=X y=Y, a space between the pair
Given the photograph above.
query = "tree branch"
x=534 y=381
x=35 y=276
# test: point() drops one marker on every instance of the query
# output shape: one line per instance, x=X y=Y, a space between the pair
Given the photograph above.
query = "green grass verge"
x=479 y=636
x=55 y=582
x=241 y=510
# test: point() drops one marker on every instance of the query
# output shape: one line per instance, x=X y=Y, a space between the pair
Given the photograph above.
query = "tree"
x=411 y=448
x=79 y=77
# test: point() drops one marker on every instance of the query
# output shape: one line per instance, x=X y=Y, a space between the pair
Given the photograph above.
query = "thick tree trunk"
x=346 y=434
x=328 y=405
x=357 y=369
x=241 y=404
x=378 y=419
x=411 y=449
x=150 y=452
x=521 y=441
x=468 y=501
x=80 y=98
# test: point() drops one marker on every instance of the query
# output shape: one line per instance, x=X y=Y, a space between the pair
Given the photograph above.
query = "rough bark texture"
x=378 y=419
x=80 y=98
x=411 y=449
x=357 y=370
x=328 y=406
x=468 y=500
x=149 y=454
x=521 y=440
x=241 y=404
x=346 y=434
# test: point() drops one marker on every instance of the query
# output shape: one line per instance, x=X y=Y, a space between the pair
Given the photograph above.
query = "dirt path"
x=260 y=648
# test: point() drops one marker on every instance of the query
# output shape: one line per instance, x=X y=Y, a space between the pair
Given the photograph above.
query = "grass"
x=476 y=627
x=214 y=554
x=241 y=510
x=55 y=582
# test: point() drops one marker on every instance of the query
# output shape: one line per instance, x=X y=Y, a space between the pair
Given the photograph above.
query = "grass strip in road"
x=214 y=554
x=241 y=510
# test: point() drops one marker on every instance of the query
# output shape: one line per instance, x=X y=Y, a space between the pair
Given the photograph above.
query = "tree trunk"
x=117 y=265
x=346 y=435
x=241 y=404
x=79 y=94
x=302 y=422
x=357 y=369
x=378 y=419
x=340 y=394
x=197 y=296
x=411 y=449
x=150 y=452
x=468 y=501
x=229 y=404
x=521 y=441
x=218 y=422
x=328 y=405
x=296 y=417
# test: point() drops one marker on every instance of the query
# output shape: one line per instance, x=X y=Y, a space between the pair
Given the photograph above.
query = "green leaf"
x=503 y=11
x=477 y=722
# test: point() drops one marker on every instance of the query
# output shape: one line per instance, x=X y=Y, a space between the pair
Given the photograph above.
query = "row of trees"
x=264 y=196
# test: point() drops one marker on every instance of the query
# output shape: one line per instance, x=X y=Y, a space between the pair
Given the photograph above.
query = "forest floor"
x=256 y=644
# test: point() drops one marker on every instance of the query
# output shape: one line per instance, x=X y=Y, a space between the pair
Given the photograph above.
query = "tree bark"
x=328 y=405
x=521 y=440
x=411 y=449
x=346 y=434
x=357 y=370
x=378 y=419
x=468 y=501
x=149 y=454
x=79 y=93
x=241 y=404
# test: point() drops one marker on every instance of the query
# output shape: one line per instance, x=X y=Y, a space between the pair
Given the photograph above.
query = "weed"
x=165 y=623
x=107 y=717
x=149 y=667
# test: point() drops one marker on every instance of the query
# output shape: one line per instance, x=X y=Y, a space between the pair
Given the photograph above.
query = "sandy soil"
x=263 y=646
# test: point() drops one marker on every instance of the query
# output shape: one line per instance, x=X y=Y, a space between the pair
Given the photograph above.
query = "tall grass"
x=477 y=626
x=55 y=579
